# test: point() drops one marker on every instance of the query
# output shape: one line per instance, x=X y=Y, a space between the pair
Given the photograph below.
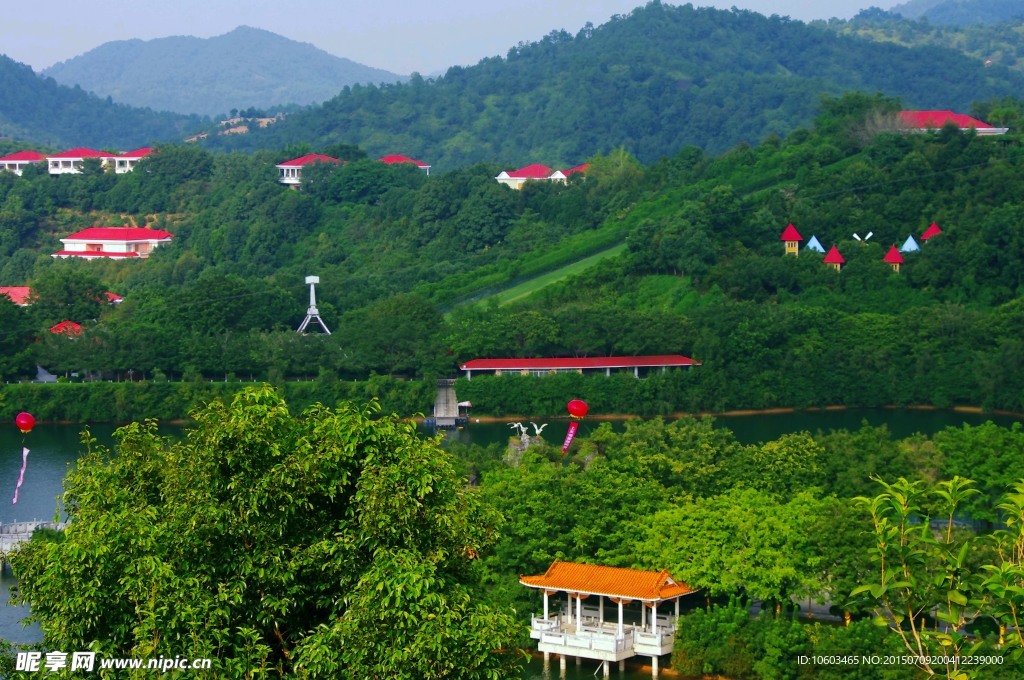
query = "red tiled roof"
x=594 y=579
x=397 y=158
x=138 y=153
x=931 y=231
x=66 y=328
x=583 y=167
x=586 y=362
x=893 y=256
x=23 y=157
x=119 y=234
x=308 y=159
x=929 y=120
x=535 y=171
x=19 y=294
x=81 y=152
x=833 y=257
x=790 y=234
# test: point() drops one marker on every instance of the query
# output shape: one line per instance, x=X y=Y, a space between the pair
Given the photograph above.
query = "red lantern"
x=578 y=408
x=25 y=422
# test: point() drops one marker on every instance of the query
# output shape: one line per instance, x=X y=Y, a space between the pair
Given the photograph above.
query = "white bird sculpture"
x=537 y=430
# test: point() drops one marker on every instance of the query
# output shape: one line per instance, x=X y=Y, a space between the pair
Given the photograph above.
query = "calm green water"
x=587 y=670
x=55 y=448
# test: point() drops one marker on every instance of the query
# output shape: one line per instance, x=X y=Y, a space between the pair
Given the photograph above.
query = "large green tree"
x=336 y=544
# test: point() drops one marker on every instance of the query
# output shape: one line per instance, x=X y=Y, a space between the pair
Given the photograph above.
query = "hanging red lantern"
x=25 y=422
x=577 y=410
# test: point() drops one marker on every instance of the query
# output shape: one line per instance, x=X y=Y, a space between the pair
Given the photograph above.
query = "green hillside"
x=404 y=258
x=653 y=81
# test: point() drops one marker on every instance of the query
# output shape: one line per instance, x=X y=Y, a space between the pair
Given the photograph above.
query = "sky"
x=400 y=36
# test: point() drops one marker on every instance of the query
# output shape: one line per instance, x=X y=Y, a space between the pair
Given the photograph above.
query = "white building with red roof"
x=397 y=158
x=549 y=366
x=113 y=242
x=70 y=162
x=290 y=172
x=924 y=121
x=537 y=172
x=18 y=161
x=127 y=161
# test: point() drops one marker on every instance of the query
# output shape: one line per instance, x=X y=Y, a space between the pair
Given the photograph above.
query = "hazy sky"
x=401 y=36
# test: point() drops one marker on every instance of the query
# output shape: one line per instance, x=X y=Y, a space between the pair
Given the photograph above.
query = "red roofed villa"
x=113 y=242
x=924 y=121
x=19 y=294
x=548 y=366
x=537 y=172
x=396 y=158
x=582 y=631
x=127 y=161
x=72 y=160
x=834 y=259
x=16 y=162
x=290 y=172
x=68 y=328
x=792 y=239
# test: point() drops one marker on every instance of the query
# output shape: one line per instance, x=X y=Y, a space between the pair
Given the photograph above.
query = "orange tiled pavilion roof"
x=594 y=579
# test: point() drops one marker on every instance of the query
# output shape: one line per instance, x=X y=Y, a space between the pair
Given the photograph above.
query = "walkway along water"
x=14 y=534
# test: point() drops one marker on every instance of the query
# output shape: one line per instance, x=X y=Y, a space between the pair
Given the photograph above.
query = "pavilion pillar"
x=600 y=613
x=570 y=608
x=677 y=611
x=622 y=665
x=561 y=665
x=607 y=669
x=545 y=605
x=654 y=618
x=636 y=372
x=654 y=668
x=643 y=615
x=621 y=632
x=579 y=612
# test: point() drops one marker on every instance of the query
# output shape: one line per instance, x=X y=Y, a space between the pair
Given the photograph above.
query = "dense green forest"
x=402 y=257
x=653 y=81
x=38 y=109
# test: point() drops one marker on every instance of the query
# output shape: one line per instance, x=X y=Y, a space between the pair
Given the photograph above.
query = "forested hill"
x=36 y=109
x=247 y=67
x=653 y=81
x=961 y=12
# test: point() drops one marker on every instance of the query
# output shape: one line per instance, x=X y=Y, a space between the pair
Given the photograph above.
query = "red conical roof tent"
x=933 y=230
x=790 y=234
x=833 y=257
x=893 y=256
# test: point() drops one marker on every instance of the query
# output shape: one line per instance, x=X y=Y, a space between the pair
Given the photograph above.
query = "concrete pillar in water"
x=579 y=661
x=622 y=665
x=561 y=664
x=607 y=669
x=654 y=668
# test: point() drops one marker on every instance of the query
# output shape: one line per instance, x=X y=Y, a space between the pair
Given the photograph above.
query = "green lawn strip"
x=528 y=287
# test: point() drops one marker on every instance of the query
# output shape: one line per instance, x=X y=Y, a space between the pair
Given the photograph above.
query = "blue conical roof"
x=815 y=244
x=910 y=245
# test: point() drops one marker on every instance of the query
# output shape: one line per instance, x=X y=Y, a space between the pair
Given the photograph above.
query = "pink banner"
x=573 y=426
x=21 y=477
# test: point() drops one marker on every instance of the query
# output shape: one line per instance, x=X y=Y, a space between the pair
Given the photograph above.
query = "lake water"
x=54 y=448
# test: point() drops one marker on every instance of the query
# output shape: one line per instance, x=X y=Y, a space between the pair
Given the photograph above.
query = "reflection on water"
x=536 y=669
x=11 y=616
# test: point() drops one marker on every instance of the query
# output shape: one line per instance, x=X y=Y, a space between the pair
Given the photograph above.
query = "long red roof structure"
x=81 y=152
x=535 y=171
x=929 y=120
x=308 y=159
x=398 y=158
x=23 y=157
x=594 y=579
x=118 y=234
x=579 y=363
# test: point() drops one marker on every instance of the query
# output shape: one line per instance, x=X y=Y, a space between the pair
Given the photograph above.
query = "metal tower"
x=312 y=314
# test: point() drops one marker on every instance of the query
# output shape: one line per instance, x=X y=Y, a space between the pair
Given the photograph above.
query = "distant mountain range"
x=961 y=12
x=246 y=68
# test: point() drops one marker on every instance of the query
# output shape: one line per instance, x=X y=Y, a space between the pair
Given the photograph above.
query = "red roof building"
x=18 y=161
x=290 y=172
x=72 y=160
x=894 y=259
x=19 y=294
x=791 y=237
x=68 y=328
x=127 y=161
x=931 y=232
x=923 y=121
x=834 y=258
x=548 y=366
x=396 y=158
x=536 y=172
x=579 y=630
x=113 y=242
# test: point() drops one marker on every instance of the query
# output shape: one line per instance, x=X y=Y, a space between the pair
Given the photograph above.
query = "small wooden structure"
x=791 y=237
x=894 y=259
x=834 y=259
x=582 y=631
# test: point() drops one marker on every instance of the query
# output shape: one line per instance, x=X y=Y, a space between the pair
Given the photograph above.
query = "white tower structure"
x=312 y=314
